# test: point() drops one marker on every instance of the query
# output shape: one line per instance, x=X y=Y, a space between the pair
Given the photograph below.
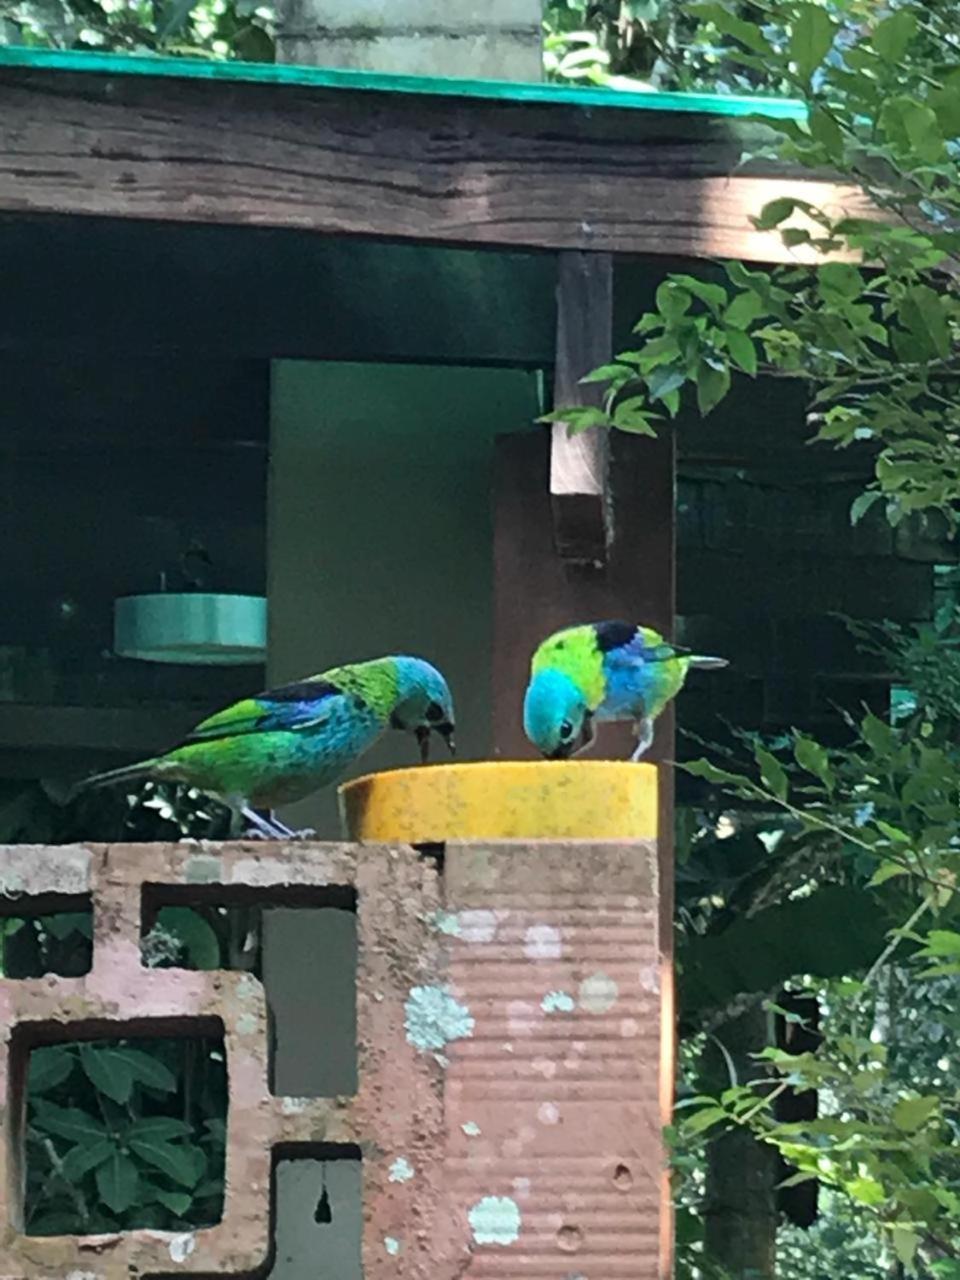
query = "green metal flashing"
x=124 y=64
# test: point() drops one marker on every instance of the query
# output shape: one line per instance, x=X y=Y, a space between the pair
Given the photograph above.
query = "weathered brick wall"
x=508 y=1035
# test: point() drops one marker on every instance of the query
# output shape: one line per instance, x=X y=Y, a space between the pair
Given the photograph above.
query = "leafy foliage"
x=195 y=28
x=872 y=331
x=653 y=44
x=880 y=816
x=117 y=1138
x=124 y=1133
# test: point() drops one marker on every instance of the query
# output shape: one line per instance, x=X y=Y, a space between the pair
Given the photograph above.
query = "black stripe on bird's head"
x=435 y=719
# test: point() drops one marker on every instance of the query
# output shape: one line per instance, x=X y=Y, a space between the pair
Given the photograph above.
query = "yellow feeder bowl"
x=503 y=800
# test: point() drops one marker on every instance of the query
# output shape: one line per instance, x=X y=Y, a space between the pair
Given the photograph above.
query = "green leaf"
x=742 y=351
x=603 y=373
x=893 y=35
x=67 y=1122
x=90 y=1155
x=913 y=129
x=910 y=1114
x=714 y=295
x=712 y=385
x=862 y=504
x=810 y=40
x=176 y=1163
x=728 y=24
x=825 y=130
x=149 y=1070
x=839 y=280
x=810 y=755
x=663 y=380
x=792 y=236
x=877 y=735
x=774 y=212
x=743 y=310
x=704 y=1119
x=946 y=106
x=118 y=1182
x=157 y=1129
x=710 y=773
x=941 y=942
x=62 y=923
x=49 y=1067
x=886 y=871
x=866 y=1190
x=772 y=772
x=905 y=1241
x=577 y=417
x=108 y=1071
x=196 y=935
x=923 y=313
x=178 y=1202
x=673 y=300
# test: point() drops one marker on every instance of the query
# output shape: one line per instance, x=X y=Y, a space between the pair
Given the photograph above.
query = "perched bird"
x=283 y=744
x=602 y=671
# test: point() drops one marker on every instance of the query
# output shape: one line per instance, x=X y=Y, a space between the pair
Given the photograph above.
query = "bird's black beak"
x=422 y=734
x=562 y=751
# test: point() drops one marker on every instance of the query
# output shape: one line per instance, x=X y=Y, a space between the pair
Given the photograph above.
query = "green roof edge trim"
x=127 y=64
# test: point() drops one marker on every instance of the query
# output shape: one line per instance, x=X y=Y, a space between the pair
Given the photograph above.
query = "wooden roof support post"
x=579 y=463
x=536 y=591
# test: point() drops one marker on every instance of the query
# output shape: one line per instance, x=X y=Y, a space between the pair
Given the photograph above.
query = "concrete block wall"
x=495 y=40
x=507 y=1107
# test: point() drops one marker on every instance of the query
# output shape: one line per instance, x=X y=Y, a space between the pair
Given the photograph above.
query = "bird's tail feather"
x=704 y=663
x=115 y=777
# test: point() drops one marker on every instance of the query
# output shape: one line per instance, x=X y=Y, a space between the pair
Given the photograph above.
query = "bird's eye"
x=566 y=731
x=435 y=712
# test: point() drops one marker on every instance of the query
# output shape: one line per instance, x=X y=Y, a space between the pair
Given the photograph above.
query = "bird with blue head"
x=283 y=744
x=602 y=671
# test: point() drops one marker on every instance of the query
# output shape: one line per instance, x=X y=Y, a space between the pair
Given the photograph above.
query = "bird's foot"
x=258 y=833
x=264 y=828
x=288 y=833
x=644 y=739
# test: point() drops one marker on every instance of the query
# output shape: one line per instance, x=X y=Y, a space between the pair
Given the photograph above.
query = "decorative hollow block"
x=508 y=1041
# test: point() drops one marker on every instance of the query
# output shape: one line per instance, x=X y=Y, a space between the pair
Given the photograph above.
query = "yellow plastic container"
x=503 y=800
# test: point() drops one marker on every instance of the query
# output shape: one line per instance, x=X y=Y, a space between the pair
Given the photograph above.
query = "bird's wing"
x=291 y=707
x=636 y=651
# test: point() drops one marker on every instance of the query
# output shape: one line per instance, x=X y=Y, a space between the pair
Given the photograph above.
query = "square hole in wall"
x=46 y=934
x=116 y=1133
x=279 y=934
x=317 y=1213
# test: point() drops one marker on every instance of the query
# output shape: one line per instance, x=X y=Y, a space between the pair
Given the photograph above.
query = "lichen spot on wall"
x=181 y=1246
x=557 y=1002
x=401 y=1170
x=434 y=1017
x=542 y=942
x=495 y=1220
x=598 y=993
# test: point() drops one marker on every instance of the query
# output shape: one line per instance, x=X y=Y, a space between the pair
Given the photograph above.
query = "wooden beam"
x=578 y=463
x=407 y=167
